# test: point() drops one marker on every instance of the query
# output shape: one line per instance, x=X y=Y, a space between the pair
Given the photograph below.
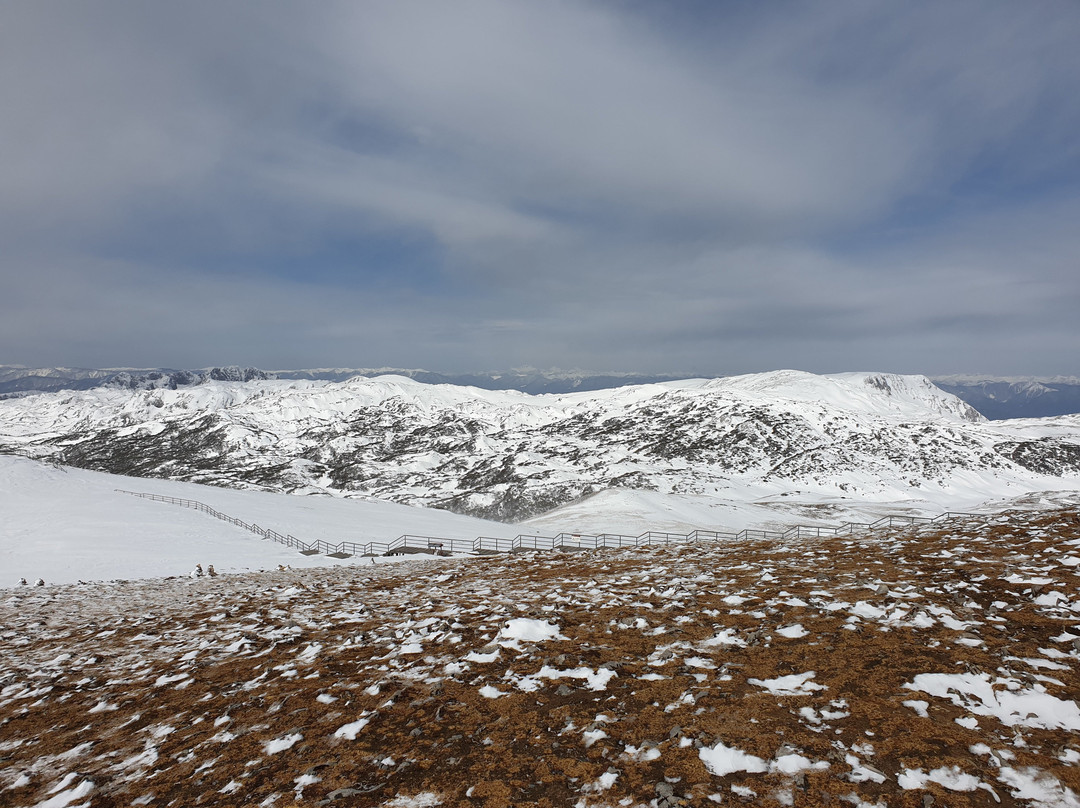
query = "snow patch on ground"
x=721 y=760
x=796 y=684
x=977 y=694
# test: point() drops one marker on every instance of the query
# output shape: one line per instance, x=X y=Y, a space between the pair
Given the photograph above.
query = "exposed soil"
x=418 y=684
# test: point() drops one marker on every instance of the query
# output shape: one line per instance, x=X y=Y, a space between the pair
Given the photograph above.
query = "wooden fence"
x=486 y=545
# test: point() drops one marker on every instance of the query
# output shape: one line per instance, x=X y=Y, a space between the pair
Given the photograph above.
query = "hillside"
x=65 y=525
x=907 y=668
x=511 y=456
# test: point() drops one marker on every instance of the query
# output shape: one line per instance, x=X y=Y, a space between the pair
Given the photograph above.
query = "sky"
x=705 y=188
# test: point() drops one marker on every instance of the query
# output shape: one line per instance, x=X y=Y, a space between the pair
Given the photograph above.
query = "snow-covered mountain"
x=1016 y=397
x=16 y=380
x=998 y=398
x=510 y=456
x=525 y=380
x=19 y=380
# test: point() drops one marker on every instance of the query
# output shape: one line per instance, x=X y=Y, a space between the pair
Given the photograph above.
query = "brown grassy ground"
x=174 y=692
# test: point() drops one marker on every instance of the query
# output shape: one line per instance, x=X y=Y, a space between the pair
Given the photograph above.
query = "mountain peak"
x=888 y=394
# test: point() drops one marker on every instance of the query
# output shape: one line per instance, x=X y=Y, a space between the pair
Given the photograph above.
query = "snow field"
x=64 y=525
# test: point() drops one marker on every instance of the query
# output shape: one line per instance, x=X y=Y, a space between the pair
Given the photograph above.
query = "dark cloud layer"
x=685 y=187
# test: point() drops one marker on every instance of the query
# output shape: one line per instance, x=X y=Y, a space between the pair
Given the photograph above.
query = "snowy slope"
x=64 y=525
x=871 y=393
x=635 y=512
x=510 y=456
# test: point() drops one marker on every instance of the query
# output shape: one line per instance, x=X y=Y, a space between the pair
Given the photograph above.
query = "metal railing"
x=485 y=545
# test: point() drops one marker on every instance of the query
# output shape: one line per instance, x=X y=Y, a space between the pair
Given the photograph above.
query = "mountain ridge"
x=997 y=398
x=510 y=456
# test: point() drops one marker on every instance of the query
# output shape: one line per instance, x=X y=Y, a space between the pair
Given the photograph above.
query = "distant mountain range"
x=18 y=381
x=997 y=398
x=508 y=455
x=1003 y=398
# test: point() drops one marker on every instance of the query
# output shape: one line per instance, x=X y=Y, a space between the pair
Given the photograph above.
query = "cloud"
x=702 y=187
x=590 y=109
